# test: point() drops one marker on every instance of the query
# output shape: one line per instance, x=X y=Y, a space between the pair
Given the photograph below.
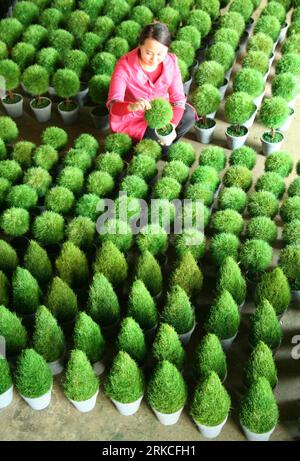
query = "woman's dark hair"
x=158 y=32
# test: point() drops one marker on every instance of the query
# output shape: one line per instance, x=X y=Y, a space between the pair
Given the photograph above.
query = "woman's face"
x=152 y=52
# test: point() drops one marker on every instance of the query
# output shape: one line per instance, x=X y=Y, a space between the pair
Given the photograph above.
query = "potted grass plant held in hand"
x=34 y=379
x=210 y=406
x=159 y=118
x=167 y=393
x=125 y=384
x=36 y=80
x=66 y=83
x=12 y=102
x=206 y=100
x=81 y=385
x=239 y=108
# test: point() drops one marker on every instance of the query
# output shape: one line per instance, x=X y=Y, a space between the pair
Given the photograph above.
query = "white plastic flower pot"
x=292 y=103
x=168 y=139
x=128 y=409
x=265 y=77
x=168 y=419
x=81 y=96
x=185 y=337
x=24 y=88
x=234 y=142
x=85 y=406
x=253 y=437
x=98 y=368
x=44 y=114
x=39 y=403
x=70 y=116
x=6 y=397
x=223 y=89
x=283 y=32
x=211 y=432
x=228 y=73
x=14 y=110
x=270 y=147
x=186 y=86
x=227 y=343
x=295 y=295
x=212 y=115
x=271 y=59
x=258 y=100
x=249 y=123
x=288 y=121
x=100 y=117
x=250 y=26
x=56 y=366
x=204 y=135
x=51 y=91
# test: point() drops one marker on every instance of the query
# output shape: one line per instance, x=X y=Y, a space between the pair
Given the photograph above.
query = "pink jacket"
x=129 y=83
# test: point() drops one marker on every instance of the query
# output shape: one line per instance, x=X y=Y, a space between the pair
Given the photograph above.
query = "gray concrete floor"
x=62 y=422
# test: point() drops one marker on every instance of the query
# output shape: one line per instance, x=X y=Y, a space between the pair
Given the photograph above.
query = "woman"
x=145 y=73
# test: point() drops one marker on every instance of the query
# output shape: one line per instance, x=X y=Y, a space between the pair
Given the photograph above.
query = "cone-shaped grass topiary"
x=279 y=162
x=291 y=233
x=260 y=363
x=249 y=81
x=110 y=163
x=269 y=25
x=167 y=390
x=167 y=346
x=201 y=20
x=290 y=209
x=152 y=238
x=263 y=228
x=9 y=257
x=33 y=377
x=230 y=279
x=275 y=288
x=141 y=306
x=13 y=331
x=39 y=179
x=223 y=53
x=48 y=339
x=48 y=228
x=183 y=151
x=72 y=265
x=228 y=221
x=191 y=240
x=178 y=311
x=127 y=208
x=227 y=35
x=10 y=170
x=80 y=382
x=149 y=272
x=56 y=137
x=6 y=381
x=286 y=86
x=160 y=113
x=258 y=410
x=232 y=197
x=15 y=222
x=214 y=157
x=209 y=356
x=103 y=304
x=210 y=72
x=262 y=203
x=187 y=275
x=81 y=231
x=120 y=143
x=22 y=196
x=271 y=182
x=111 y=263
x=211 y=402
x=223 y=319
x=37 y=262
x=238 y=176
x=59 y=199
x=273 y=113
x=125 y=381
x=131 y=340
x=265 y=326
x=116 y=231
x=61 y=301
x=223 y=245
x=255 y=256
x=25 y=291
x=143 y=166
x=88 y=338
x=238 y=109
x=261 y=42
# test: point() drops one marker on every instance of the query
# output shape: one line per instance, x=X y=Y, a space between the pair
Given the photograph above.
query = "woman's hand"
x=139 y=104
